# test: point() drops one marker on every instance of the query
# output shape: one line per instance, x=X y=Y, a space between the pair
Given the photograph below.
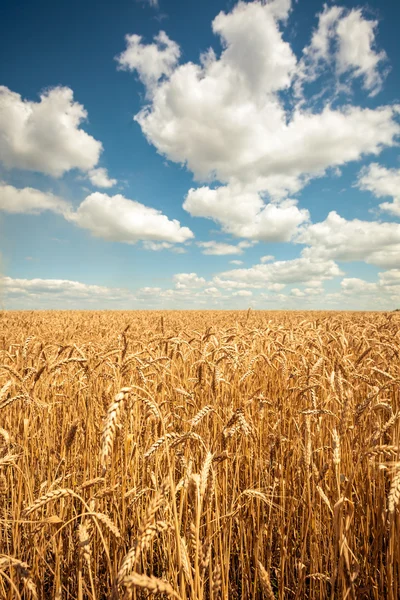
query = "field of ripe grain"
x=199 y=455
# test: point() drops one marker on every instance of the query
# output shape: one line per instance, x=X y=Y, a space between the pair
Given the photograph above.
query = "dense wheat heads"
x=199 y=455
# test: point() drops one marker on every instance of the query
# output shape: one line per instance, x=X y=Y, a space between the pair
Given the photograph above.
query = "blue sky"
x=183 y=155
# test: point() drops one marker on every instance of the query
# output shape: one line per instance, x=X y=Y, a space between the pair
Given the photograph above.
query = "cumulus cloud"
x=213 y=291
x=151 y=61
x=236 y=262
x=298 y=270
x=245 y=214
x=45 y=136
x=158 y=246
x=344 y=40
x=99 y=178
x=232 y=284
x=353 y=285
x=277 y=287
x=57 y=290
x=348 y=240
x=189 y=292
x=31 y=201
x=225 y=118
x=382 y=182
x=61 y=293
x=356 y=53
x=188 y=280
x=112 y=218
x=297 y=293
x=221 y=248
x=386 y=289
x=243 y=293
x=389 y=278
x=267 y=258
x=118 y=219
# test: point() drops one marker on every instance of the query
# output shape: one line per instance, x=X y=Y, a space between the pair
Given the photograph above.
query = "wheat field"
x=199 y=455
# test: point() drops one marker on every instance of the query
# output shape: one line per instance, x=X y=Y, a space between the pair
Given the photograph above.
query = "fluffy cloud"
x=221 y=248
x=30 y=200
x=112 y=218
x=382 y=182
x=61 y=293
x=243 y=293
x=299 y=270
x=158 y=246
x=356 y=54
x=188 y=280
x=232 y=284
x=389 y=278
x=336 y=238
x=151 y=61
x=346 y=40
x=277 y=287
x=236 y=262
x=226 y=120
x=353 y=286
x=297 y=293
x=58 y=290
x=117 y=219
x=213 y=291
x=45 y=136
x=245 y=214
x=99 y=178
x=386 y=289
x=267 y=258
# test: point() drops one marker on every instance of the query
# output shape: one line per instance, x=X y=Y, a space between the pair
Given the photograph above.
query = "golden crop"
x=199 y=455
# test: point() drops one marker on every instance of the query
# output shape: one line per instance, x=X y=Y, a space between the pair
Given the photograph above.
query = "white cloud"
x=243 y=293
x=353 y=286
x=113 y=218
x=345 y=40
x=148 y=292
x=158 y=246
x=151 y=61
x=61 y=293
x=314 y=291
x=336 y=238
x=213 y=291
x=382 y=182
x=59 y=290
x=232 y=284
x=382 y=293
x=356 y=55
x=188 y=280
x=236 y=262
x=30 y=200
x=99 y=178
x=244 y=213
x=298 y=270
x=224 y=117
x=267 y=258
x=277 y=287
x=319 y=48
x=389 y=278
x=118 y=219
x=297 y=293
x=45 y=136
x=221 y=248
x=280 y=9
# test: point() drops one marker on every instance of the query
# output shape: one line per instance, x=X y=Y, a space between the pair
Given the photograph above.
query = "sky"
x=160 y=154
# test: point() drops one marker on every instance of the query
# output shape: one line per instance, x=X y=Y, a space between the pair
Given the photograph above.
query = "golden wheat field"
x=199 y=455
